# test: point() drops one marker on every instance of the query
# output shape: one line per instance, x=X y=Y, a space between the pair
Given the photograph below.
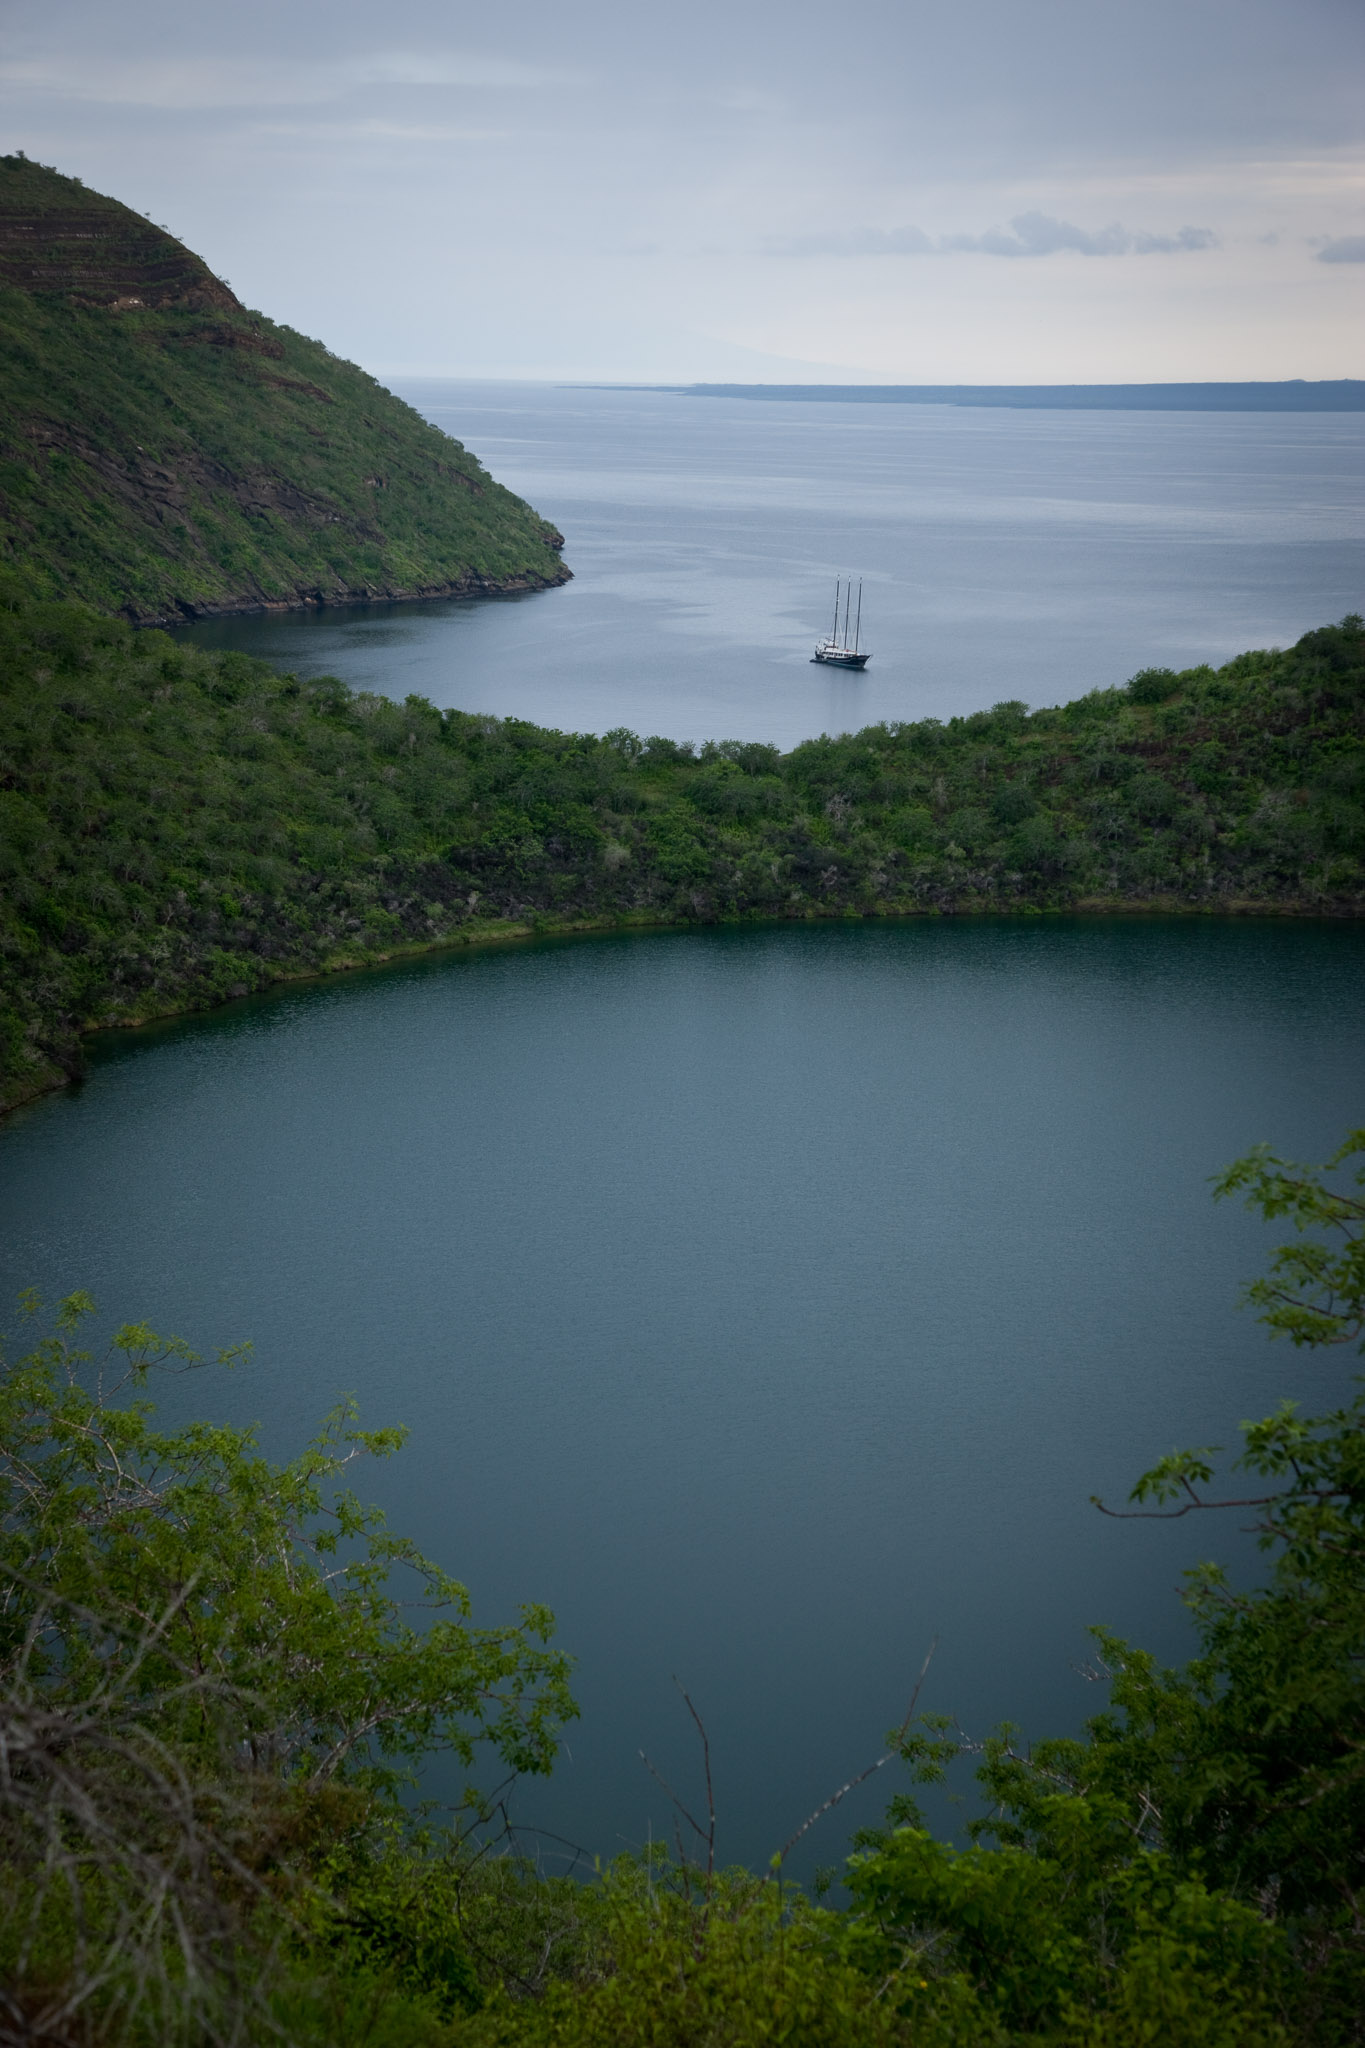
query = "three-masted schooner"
x=843 y=652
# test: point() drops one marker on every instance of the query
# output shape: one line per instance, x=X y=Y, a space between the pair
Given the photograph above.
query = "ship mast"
x=859 y=626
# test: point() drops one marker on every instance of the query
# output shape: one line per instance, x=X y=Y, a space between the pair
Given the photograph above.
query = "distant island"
x=1338 y=394
x=166 y=453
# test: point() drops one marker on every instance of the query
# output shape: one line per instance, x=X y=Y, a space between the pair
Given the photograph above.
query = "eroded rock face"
x=57 y=237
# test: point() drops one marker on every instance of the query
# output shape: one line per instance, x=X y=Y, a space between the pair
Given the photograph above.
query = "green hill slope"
x=165 y=453
x=177 y=828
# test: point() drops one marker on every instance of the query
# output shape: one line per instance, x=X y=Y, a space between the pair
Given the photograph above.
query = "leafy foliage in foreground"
x=1215 y=1812
x=204 y=1672
x=165 y=452
x=178 y=827
x=202 y=1709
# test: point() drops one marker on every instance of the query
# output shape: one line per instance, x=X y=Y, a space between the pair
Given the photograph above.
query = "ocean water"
x=1032 y=555
x=768 y=1301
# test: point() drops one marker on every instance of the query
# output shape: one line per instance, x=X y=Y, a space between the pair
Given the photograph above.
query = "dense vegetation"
x=164 y=452
x=209 y=1693
x=178 y=827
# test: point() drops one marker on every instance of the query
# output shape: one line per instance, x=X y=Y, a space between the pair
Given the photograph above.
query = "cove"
x=1035 y=555
x=768 y=1301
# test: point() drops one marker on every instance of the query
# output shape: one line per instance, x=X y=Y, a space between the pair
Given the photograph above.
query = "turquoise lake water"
x=767 y=1301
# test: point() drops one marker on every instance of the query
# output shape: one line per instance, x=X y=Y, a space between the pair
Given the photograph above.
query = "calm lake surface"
x=1005 y=554
x=768 y=1301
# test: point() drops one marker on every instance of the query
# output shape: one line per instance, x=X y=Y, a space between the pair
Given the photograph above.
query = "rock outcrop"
x=57 y=237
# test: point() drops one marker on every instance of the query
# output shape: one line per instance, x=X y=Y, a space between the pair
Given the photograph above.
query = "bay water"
x=1003 y=555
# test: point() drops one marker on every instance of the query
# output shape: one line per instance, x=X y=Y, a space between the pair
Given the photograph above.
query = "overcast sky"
x=969 y=190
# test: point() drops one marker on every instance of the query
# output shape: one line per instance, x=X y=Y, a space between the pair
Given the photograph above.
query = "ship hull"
x=840 y=658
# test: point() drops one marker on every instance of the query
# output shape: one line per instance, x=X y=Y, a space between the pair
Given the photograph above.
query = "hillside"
x=178 y=828
x=165 y=453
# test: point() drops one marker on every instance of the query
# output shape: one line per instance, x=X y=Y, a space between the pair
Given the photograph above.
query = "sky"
x=987 y=191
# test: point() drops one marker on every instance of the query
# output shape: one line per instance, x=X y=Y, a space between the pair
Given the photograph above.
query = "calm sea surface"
x=768 y=1301
x=1004 y=554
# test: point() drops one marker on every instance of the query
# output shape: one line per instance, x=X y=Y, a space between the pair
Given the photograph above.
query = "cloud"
x=159 y=82
x=1038 y=234
x=858 y=242
x=417 y=68
x=745 y=99
x=366 y=130
x=1346 y=249
x=178 y=84
x=1033 y=234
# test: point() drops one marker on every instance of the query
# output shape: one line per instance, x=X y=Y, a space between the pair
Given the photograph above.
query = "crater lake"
x=768 y=1301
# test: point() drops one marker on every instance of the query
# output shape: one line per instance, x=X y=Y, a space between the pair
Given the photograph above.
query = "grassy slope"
x=177 y=828
x=182 y=455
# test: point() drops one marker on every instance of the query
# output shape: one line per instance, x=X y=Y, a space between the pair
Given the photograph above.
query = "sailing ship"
x=841 y=651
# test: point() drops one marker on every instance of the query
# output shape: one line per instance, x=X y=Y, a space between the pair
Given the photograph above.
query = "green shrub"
x=1153 y=685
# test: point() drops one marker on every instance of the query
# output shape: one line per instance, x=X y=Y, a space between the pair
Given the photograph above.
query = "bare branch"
x=1261 y=1500
x=862 y=1776
x=710 y=1795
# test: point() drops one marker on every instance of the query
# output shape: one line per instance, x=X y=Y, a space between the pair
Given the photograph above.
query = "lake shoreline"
x=507 y=931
